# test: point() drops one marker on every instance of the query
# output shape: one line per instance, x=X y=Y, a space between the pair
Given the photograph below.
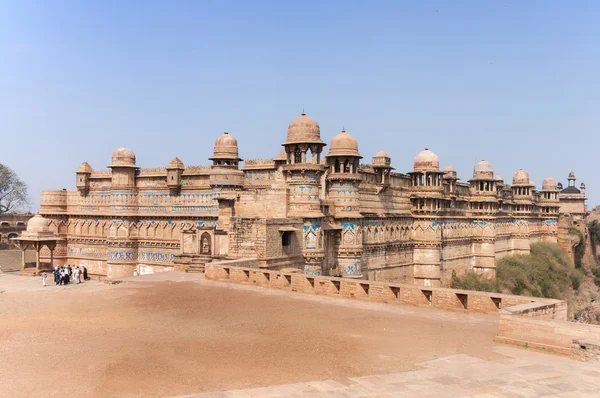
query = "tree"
x=13 y=191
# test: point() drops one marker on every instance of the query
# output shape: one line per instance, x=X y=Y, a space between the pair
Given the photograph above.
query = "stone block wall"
x=547 y=334
x=447 y=299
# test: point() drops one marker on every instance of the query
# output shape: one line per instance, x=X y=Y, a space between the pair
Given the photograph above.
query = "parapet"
x=259 y=164
x=53 y=201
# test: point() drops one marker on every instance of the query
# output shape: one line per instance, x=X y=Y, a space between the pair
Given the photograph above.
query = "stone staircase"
x=191 y=262
x=198 y=268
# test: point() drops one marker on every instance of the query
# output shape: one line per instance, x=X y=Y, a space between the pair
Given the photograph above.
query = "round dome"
x=343 y=144
x=226 y=147
x=498 y=178
x=38 y=224
x=521 y=177
x=449 y=169
x=549 y=184
x=427 y=161
x=571 y=175
x=382 y=154
x=483 y=170
x=304 y=130
x=123 y=157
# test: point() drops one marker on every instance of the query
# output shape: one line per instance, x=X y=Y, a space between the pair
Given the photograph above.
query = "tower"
x=121 y=251
x=343 y=182
x=303 y=177
x=522 y=209
x=483 y=208
x=427 y=197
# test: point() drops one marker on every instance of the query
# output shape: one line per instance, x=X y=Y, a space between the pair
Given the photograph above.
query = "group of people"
x=67 y=273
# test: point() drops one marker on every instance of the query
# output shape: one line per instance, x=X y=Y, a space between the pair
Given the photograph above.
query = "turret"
x=225 y=169
x=343 y=181
x=83 y=178
x=123 y=169
x=484 y=191
x=522 y=192
x=174 y=170
x=303 y=168
x=382 y=164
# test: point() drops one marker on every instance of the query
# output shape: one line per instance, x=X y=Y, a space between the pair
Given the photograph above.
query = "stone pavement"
x=520 y=373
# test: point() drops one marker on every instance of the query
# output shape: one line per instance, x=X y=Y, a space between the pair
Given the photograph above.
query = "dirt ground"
x=168 y=338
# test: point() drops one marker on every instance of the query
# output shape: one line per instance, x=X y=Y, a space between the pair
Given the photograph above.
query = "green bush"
x=575 y=281
x=473 y=281
x=546 y=272
x=596 y=272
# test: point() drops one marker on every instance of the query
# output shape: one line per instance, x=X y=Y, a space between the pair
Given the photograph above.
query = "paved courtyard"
x=178 y=334
x=518 y=373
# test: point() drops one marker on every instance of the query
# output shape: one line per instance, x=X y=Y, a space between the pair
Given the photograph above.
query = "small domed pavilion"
x=37 y=235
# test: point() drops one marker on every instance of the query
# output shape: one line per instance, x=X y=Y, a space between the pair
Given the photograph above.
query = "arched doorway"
x=205 y=243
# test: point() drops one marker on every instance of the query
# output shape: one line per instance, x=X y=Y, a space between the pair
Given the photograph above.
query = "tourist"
x=56 y=275
x=61 y=275
x=85 y=275
x=66 y=274
x=76 y=275
x=44 y=276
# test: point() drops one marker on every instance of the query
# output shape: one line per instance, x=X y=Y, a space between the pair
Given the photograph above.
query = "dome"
x=382 y=154
x=85 y=168
x=571 y=175
x=176 y=163
x=449 y=169
x=38 y=224
x=549 y=184
x=499 y=179
x=483 y=170
x=123 y=157
x=521 y=177
x=343 y=144
x=427 y=161
x=226 y=147
x=304 y=130
x=281 y=156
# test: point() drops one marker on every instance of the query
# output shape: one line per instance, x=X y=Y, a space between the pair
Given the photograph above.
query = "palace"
x=321 y=213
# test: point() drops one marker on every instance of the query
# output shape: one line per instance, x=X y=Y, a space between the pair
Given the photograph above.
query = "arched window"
x=337 y=165
x=346 y=166
x=297 y=155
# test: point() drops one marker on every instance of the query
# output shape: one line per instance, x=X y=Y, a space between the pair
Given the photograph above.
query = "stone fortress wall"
x=11 y=226
x=328 y=215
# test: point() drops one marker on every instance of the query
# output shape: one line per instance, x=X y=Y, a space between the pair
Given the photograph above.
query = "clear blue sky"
x=516 y=83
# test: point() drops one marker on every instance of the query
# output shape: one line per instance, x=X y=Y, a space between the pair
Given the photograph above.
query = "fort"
x=316 y=212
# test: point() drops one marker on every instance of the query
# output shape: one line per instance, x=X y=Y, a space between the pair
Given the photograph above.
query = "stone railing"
x=447 y=299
